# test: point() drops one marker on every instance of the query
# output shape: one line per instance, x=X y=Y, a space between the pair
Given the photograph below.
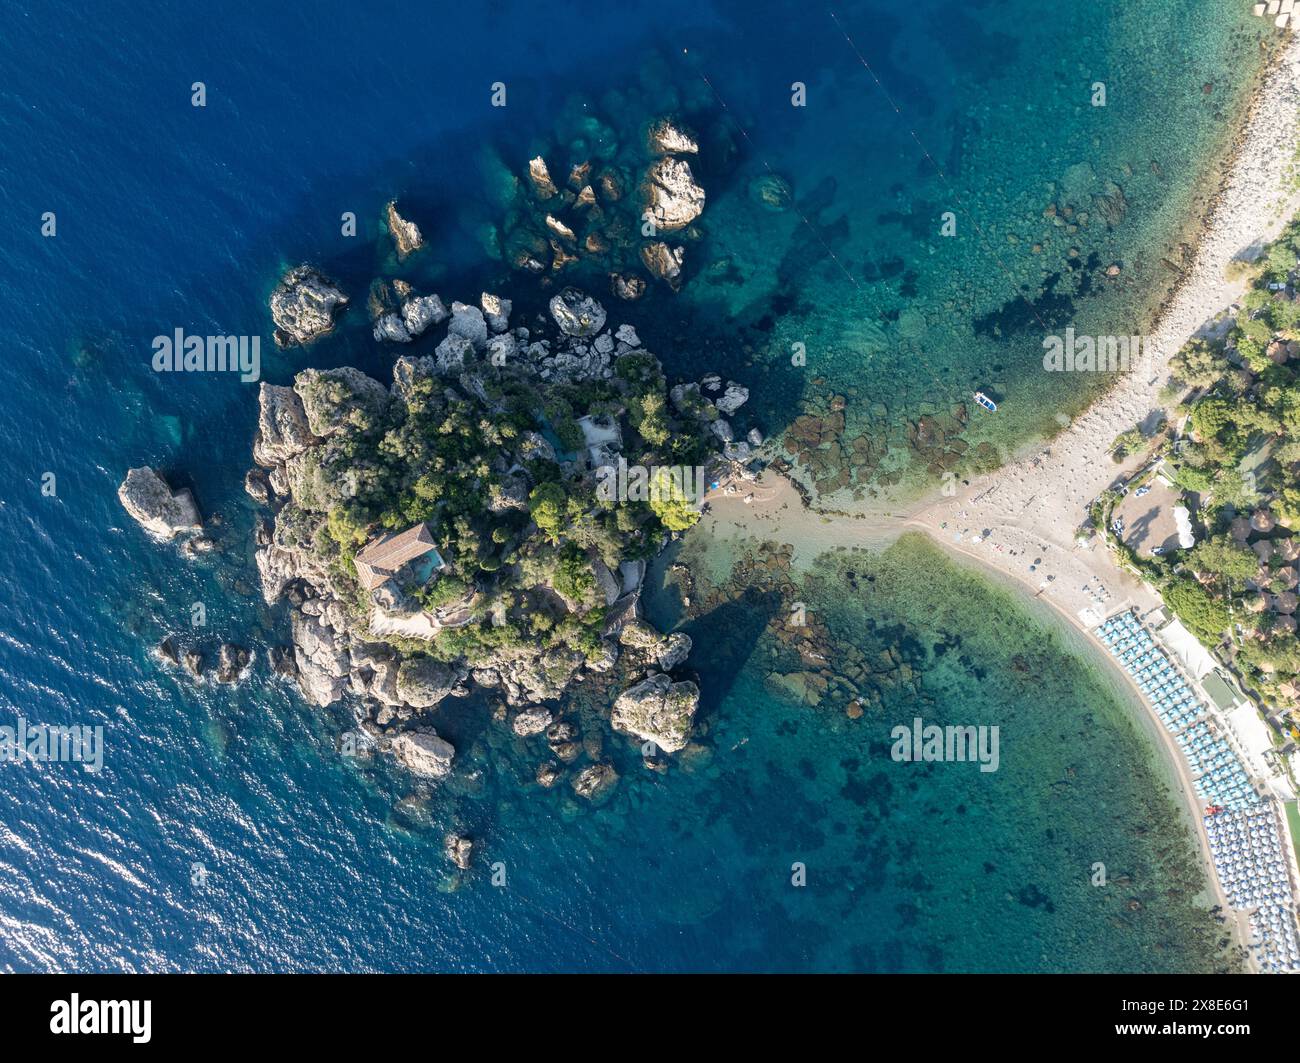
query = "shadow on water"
x=728 y=635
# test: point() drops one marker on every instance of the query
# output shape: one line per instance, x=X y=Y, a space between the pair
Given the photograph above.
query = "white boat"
x=986 y=402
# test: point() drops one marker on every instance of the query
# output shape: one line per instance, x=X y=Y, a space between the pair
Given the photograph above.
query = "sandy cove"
x=1021 y=520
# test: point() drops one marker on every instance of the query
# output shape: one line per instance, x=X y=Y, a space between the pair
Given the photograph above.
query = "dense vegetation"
x=1238 y=457
x=492 y=461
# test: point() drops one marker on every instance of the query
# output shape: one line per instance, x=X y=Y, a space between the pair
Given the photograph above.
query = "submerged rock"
x=664 y=262
x=458 y=850
x=666 y=138
x=303 y=306
x=771 y=192
x=159 y=510
x=595 y=781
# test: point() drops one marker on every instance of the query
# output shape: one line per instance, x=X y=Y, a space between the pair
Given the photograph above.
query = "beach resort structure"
x=383 y=558
x=1225 y=745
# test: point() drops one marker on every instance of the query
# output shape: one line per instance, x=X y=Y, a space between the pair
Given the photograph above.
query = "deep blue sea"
x=225 y=832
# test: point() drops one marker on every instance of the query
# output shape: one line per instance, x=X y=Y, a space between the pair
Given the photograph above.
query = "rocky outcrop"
x=406 y=234
x=671 y=195
x=282 y=428
x=458 y=849
x=423 y=682
x=321 y=658
x=232 y=662
x=543 y=187
x=303 y=306
x=577 y=314
x=657 y=710
x=423 y=753
x=335 y=400
x=159 y=510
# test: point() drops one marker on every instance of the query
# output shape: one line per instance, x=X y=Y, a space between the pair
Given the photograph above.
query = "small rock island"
x=453 y=529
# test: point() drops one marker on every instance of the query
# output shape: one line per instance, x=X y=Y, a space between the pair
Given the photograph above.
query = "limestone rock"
x=657 y=710
x=406 y=234
x=664 y=262
x=671 y=195
x=458 y=849
x=162 y=513
x=664 y=137
x=303 y=306
x=423 y=753
x=540 y=176
x=282 y=428
x=577 y=313
x=595 y=781
x=232 y=662
x=733 y=399
x=424 y=682
x=674 y=651
x=531 y=721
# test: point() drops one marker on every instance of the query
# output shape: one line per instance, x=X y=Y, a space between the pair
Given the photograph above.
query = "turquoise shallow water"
x=168 y=218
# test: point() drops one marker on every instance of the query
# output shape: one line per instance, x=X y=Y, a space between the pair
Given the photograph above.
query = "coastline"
x=1020 y=520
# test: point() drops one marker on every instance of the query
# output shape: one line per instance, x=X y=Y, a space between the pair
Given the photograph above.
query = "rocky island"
x=455 y=529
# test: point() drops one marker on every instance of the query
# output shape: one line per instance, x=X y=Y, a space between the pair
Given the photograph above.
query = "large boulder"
x=303 y=306
x=162 y=512
x=423 y=753
x=469 y=322
x=671 y=195
x=674 y=651
x=282 y=428
x=423 y=682
x=577 y=313
x=421 y=311
x=657 y=710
